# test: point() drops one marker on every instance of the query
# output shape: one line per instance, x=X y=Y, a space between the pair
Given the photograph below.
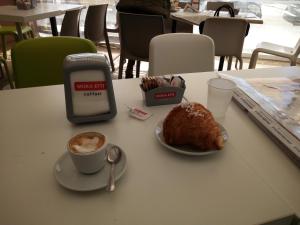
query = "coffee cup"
x=88 y=151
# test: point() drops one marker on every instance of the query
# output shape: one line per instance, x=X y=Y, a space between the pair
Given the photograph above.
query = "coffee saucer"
x=67 y=175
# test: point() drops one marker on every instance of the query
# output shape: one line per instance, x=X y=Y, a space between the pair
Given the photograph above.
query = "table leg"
x=19 y=30
x=174 y=25
x=53 y=26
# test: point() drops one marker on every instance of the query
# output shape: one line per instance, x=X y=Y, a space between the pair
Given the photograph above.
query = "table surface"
x=251 y=181
x=196 y=18
x=96 y=2
x=10 y=13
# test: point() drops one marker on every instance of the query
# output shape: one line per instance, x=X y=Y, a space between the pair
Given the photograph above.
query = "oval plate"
x=186 y=149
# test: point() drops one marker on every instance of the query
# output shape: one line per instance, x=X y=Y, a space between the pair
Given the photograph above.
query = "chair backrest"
x=136 y=32
x=95 y=23
x=39 y=62
x=215 y=5
x=222 y=6
x=228 y=35
x=177 y=53
x=70 y=23
x=296 y=50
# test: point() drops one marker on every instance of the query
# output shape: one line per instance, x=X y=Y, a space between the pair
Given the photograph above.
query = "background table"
x=250 y=181
x=196 y=18
x=10 y=13
x=193 y=18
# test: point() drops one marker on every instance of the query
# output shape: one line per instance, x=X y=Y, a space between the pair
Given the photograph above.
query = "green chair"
x=39 y=62
x=6 y=30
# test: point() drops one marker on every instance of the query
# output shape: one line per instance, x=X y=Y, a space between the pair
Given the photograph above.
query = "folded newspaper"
x=275 y=104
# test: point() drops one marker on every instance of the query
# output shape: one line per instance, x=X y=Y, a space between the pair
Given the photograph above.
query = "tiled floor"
x=144 y=65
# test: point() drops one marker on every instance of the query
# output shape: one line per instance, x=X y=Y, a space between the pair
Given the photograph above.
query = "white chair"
x=177 y=53
x=278 y=50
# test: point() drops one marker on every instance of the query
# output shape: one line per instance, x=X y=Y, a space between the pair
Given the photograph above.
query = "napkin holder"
x=88 y=88
x=26 y=4
x=163 y=95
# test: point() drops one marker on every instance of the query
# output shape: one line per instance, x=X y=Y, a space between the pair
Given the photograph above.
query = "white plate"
x=67 y=175
x=186 y=150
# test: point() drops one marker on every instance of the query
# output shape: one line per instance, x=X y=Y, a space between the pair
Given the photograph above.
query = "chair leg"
x=2 y=75
x=26 y=35
x=138 y=65
x=221 y=63
x=229 y=63
x=293 y=62
x=109 y=52
x=31 y=34
x=3 y=44
x=17 y=38
x=121 y=63
x=7 y=73
x=241 y=63
x=253 y=60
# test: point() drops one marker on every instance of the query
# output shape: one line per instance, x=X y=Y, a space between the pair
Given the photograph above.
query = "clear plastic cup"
x=219 y=96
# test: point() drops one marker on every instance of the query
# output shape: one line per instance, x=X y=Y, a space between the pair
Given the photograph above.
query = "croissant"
x=192 y=124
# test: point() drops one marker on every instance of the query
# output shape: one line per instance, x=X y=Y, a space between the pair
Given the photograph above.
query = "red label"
x=90 y=86
x=140 y=111
x=165 y=95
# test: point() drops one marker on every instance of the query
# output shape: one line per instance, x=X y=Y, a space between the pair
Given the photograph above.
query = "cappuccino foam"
x=86 y=142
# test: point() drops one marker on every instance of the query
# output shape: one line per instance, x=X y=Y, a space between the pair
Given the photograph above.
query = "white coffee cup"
x=88 y=151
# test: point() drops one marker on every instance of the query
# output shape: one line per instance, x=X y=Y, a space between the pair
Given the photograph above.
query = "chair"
x=180 y=53
x=70 y=23
x=215 y=5
x=44 y=66
x=136 y=32
x=6 y=30
x=95 y=28
x=6 y=71
x=269 y=48
x=10 y=30
x=228 y=35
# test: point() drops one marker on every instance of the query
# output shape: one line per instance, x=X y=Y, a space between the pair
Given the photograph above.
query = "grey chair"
x=228 y=35
x=215 y=5
x=95 y=28
x=70 y=23
x=136 y=32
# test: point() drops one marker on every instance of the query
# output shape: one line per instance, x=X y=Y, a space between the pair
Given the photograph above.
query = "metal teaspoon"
x=113 y=156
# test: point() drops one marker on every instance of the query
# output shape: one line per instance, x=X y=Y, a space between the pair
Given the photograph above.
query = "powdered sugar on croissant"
x=192 y=124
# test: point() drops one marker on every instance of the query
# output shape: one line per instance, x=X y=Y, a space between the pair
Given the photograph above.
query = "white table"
x=251 y=181
x=10 y=13
x=96 y=2
x=194 y=18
